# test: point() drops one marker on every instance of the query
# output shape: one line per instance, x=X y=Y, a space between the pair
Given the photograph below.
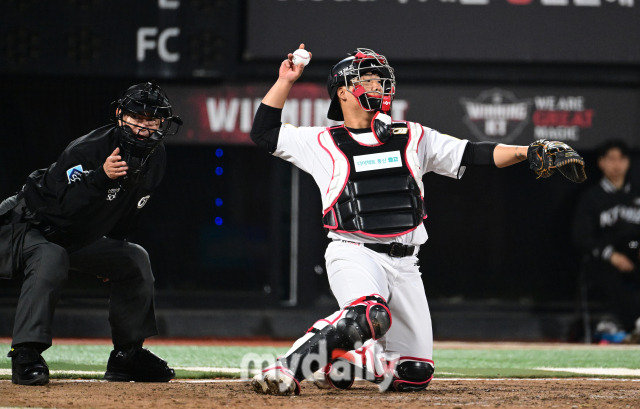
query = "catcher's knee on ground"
x=411 y=376
x=366 y=318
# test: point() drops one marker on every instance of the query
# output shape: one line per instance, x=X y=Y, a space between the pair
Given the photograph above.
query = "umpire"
x=75 y=215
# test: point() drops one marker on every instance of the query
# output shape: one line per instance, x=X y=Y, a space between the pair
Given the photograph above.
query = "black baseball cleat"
x=28 y=367
x=138 y=365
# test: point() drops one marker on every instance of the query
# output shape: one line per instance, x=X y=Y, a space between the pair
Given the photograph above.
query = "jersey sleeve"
x=300 y=146
x=441 y=153
x=79 y=179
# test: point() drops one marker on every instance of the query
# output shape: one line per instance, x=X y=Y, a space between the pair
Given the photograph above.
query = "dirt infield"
x=544 y=393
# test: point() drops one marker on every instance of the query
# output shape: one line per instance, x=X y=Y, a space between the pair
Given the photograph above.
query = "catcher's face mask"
x=144 y=117
x=367 y=76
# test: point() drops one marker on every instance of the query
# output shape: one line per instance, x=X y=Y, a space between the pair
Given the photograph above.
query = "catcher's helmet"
x=149 y=100
x=350 y=70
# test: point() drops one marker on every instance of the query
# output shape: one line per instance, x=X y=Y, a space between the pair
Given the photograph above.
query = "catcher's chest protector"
x=380 y=196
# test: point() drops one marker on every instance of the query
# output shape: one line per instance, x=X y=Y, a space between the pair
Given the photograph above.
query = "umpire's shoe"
x=138 y=365
x=28 y=367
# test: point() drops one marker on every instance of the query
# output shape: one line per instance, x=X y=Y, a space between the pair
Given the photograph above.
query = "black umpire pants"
x=46 y=267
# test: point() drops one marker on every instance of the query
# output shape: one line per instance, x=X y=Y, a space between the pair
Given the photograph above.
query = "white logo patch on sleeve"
x=375 y=161
x=73 y=174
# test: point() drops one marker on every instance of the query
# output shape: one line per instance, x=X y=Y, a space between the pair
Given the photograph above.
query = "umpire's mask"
x=148 y=103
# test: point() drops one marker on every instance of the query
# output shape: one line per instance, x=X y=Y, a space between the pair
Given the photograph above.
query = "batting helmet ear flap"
x=335 y=111
x=337 y=78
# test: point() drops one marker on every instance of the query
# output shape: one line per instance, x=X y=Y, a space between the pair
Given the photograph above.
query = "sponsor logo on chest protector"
x=143 y=201
x=375 y=161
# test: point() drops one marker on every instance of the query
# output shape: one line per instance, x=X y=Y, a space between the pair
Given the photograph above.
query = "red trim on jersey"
x=406 y=156
x=421 y=135
x=333 y=170
x=406 y=149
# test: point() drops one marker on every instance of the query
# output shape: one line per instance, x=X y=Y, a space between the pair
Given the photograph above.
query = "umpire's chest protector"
x=375 y=190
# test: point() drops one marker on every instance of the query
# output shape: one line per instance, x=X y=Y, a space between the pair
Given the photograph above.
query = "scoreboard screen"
x=118 y=38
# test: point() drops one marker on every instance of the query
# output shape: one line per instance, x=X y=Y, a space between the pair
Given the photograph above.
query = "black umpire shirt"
x=74 y=201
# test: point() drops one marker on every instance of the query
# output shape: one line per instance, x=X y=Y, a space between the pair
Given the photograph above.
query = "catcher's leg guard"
x=411 y=376
x=367 y=362
x=338 y=374
x=366 y=318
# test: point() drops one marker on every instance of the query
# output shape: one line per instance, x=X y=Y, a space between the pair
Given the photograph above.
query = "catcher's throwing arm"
x=547 y=156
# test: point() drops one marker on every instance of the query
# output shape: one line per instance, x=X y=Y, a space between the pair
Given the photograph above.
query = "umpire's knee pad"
x=367 y=317
x=412 y=376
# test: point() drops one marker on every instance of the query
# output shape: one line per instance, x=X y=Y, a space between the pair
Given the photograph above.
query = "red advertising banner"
x=224 y=115
x=512 y=115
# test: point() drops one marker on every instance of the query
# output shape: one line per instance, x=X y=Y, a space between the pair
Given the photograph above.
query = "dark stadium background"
x=499 y=255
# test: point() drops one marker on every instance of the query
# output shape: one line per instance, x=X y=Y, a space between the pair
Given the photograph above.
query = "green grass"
x=598 y=357
x=481 y=363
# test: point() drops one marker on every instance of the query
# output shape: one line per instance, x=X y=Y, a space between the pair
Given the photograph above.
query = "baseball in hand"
x=301 y=56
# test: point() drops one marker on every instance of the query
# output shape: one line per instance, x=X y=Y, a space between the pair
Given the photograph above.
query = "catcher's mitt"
x=547 y=156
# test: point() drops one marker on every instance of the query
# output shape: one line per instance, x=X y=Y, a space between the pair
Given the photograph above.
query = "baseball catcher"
x=369 y=172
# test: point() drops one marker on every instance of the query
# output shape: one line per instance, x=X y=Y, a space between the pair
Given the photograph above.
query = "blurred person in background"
x=607 y=232
x=76 y=215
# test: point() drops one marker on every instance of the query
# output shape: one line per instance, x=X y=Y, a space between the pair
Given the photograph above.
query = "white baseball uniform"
x=354 y=270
